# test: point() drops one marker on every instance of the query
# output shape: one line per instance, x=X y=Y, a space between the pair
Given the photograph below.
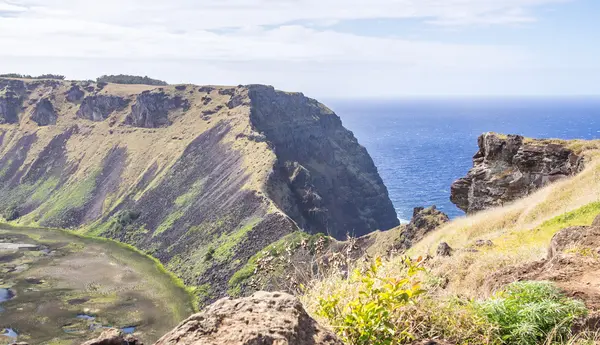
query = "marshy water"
x=56 y=287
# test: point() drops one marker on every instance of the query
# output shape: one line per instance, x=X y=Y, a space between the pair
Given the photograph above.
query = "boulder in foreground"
x=263 y=318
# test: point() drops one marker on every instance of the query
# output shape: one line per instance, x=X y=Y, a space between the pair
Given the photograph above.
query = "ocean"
x=421 y=146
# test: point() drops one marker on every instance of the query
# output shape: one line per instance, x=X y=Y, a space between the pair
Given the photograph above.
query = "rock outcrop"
x=74 y=94
x=572 y=263
x=424 y=221
x=44 y=114
x=151 y=109
x=203 y=178
x=113 y=336
x=11 y=98
x=510 y=167
x=263 y=318
x=99 y=107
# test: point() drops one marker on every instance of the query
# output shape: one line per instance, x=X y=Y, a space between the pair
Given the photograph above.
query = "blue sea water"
x=421 y=146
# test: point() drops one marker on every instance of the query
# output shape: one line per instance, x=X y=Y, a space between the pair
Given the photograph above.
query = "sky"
x=324 y=48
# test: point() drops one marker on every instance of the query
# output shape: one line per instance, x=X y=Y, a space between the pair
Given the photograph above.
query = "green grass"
x=583 y=216
x=527 y=313
x=168 y=222
x=69 y=198
x=541 y=235
x=226 y=243
x=274 y=249
x=44 y=189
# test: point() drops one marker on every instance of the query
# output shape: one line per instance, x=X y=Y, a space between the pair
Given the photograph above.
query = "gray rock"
x=11 y=98
x=44 y=114
x=263 y=318
x=424 y=221
x=349 y=196
x=151 y=109
x=74 y=94
x=444 y=249
x=99 y=107
x=507 y=168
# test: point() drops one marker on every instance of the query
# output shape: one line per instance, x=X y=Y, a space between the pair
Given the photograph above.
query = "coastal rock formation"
x=318 y=159
x=99 y=107
x=510 y=167
x=43 y=114
x=263 y=318
x=202 y=193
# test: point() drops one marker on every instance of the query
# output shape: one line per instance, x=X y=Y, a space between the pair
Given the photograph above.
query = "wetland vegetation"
x=60 y=288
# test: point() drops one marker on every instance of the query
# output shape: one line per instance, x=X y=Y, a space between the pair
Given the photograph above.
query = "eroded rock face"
x=44 y=114
x=507 y=168
x=306 y=137
x=151 y=109
x=11 y=99
x=263 y=318
x=74 y=94
x=99 y=107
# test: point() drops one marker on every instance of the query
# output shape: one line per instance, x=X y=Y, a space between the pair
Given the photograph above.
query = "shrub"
x=374 y=317
x=210 y=254
x=129 y=79
x=26 y=76
x=529 y=312
x=11 y=213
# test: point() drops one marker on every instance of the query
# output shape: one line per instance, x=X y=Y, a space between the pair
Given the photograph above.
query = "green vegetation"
x=130 y=79
x=11 y=213
x=168 y=222
x=528 y=313
x=275 y=249
x=69 y=198
x=374 y=307
x=26 y=76
x=374 y=317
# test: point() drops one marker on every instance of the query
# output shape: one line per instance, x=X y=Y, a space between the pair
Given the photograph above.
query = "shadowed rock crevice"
x=44 y=113
x=510 y=167
x=74 y=94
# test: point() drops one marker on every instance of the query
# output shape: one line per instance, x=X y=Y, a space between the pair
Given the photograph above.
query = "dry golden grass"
x=521 y=233
x=514 y=229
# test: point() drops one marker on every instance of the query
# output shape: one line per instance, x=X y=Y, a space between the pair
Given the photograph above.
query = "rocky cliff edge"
x=509 y=167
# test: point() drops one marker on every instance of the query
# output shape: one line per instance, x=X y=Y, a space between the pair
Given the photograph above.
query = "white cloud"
x=268 y=41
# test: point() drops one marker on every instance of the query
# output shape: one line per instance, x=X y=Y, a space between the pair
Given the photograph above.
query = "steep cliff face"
x=318 y=159
x=203 y=178
x=510 y=167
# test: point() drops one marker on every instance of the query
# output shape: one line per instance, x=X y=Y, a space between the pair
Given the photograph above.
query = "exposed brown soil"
x=573 y=263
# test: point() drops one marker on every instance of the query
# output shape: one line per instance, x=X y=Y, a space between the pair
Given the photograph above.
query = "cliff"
x=202 y=178
x=510 y=167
